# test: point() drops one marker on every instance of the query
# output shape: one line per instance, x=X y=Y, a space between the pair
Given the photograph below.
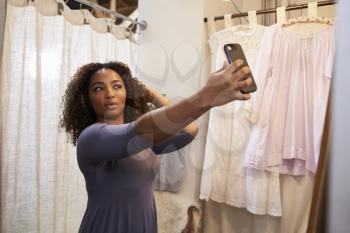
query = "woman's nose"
x=109 y=92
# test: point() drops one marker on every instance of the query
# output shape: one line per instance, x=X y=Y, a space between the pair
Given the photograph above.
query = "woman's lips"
x=111 y=106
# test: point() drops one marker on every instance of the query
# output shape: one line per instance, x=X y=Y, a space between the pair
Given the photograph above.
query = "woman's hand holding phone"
x=234 y=52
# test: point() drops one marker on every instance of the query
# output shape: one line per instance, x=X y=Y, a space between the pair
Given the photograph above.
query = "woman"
x=107 y=116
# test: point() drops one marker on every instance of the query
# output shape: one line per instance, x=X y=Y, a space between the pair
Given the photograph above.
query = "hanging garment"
x=224 y=178
x=293 y=74
x=171 y=172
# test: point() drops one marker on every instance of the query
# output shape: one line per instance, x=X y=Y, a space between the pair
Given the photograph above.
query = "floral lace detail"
x=248 y=39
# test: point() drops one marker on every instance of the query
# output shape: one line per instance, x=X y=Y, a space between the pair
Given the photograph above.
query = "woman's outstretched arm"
x=222 y=87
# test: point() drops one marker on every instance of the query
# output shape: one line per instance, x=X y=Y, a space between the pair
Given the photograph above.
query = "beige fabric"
x=296 y=194
x=42 y=188
x=18 y=3
x=223 y=218
x=98 y=24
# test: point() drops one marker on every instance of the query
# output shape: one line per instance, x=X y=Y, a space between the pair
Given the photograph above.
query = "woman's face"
x=107 y=95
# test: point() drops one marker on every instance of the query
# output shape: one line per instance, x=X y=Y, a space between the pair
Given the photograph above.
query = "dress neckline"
x=251 y=31
x=304 y=42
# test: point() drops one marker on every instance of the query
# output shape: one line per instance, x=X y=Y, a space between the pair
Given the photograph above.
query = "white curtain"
x=42 y=188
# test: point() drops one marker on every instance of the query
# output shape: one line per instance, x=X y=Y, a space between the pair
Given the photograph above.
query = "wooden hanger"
x=319 y=20
x=312 y=17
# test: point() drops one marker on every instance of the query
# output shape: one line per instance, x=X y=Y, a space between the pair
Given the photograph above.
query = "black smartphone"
x=234 y=52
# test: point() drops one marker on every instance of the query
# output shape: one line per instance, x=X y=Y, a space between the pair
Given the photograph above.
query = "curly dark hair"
x=77 y=113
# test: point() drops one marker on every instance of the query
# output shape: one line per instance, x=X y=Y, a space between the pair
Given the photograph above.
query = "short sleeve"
x=101 y=142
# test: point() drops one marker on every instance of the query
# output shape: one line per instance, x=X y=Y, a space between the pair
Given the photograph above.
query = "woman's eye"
x=117 y=86
x=97 y=89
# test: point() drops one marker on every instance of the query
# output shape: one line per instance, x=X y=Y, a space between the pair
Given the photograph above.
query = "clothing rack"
x=269 y=11
x=142 y=24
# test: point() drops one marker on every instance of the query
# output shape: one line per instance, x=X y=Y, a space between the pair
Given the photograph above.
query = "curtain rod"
x=273 y=10
x=142 y=24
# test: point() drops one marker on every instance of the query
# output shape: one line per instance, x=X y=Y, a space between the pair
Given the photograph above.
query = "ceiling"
x=124 y=7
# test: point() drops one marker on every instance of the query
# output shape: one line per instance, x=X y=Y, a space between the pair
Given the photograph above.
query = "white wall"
x=171 y=43
x=339 y=185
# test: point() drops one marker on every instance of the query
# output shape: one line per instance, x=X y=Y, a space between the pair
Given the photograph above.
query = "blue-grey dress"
x=119 y=168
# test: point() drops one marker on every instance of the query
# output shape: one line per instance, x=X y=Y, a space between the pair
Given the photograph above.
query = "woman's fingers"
x=242 y=96
x=241 y=84
x=242 y=73
x=239 y=75
x=235 y=66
